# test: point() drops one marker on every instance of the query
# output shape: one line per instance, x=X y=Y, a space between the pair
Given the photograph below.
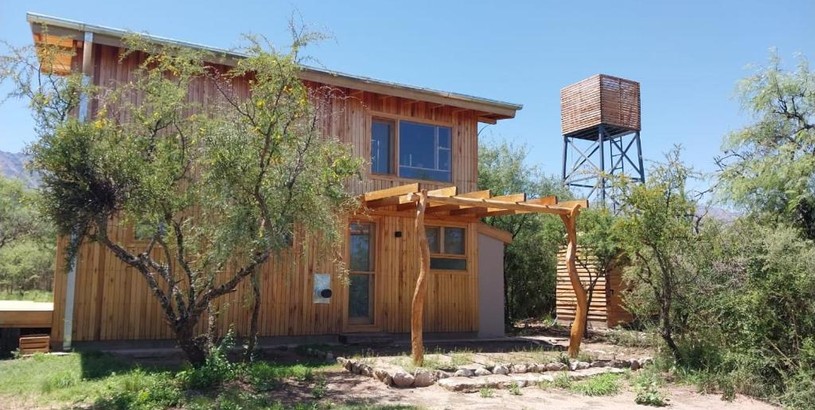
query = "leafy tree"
x=215 y=189
x=530 y=261
x=26 y=240
x=27 y=265
x=769 y=167
x=656 y=228
x=18 y=216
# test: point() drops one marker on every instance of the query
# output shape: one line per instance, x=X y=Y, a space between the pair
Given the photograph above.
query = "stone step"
x=500 y=381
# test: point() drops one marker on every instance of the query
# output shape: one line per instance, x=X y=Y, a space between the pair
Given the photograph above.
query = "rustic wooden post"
x=579 y=322
x=417 y=310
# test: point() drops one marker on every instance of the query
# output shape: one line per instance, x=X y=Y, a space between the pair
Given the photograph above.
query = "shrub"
x=515 y=389
x=602 y=385
x=216 y=370
x=647 y=385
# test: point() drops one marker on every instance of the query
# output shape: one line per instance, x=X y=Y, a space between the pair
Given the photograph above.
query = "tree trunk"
x=665 y=316
x=195 y=348
x=417 y=311
x=581 y=309
x=253 y=326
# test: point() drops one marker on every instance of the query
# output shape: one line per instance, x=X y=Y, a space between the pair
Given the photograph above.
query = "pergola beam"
x=500 y=205
x=446 y=191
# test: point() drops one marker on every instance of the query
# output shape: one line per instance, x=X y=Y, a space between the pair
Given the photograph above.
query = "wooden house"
x=414 y=139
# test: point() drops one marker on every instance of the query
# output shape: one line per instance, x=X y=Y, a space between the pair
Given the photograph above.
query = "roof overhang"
x=488 y=110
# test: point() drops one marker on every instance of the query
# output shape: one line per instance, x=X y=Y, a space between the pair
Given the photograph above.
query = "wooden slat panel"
x=600 y=99
x=606 y=306
x=35 y=344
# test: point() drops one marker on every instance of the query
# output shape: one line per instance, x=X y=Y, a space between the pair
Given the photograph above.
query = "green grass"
x=607 y=384
x=515 y=389
x=601 y=385
x=439 y=359
x=106 y=382
x=32 y=295
x=73 y=377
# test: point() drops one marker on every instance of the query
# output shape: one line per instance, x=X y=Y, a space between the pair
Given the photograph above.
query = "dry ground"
x=343 y=387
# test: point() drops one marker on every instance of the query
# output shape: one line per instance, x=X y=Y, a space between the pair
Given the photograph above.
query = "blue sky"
x=687 y=55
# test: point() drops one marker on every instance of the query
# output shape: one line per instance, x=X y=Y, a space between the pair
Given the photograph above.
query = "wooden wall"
x=346 y=117
x=606 y=308
x=112 y=302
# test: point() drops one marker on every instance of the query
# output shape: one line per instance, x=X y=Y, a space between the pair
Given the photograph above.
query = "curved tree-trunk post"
x=581 y=310
x=417 y=310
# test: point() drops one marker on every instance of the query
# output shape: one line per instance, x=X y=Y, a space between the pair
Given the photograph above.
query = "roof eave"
x=488 y=110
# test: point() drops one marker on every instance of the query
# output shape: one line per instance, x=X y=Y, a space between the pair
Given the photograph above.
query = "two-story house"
x=413 y=138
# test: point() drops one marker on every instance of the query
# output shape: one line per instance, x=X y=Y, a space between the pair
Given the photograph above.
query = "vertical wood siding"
x=113 y=302
x=607 y=308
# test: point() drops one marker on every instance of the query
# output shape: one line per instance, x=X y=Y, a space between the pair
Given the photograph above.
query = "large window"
x=424 y=151
x=447 y=247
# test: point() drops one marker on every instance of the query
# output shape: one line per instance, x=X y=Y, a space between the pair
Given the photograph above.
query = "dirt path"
x=343 y=387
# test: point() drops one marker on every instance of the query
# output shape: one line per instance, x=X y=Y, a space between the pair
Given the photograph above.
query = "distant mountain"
x=12 y=165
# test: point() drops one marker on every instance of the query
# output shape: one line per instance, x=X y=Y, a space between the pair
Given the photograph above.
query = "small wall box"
x=322 y=288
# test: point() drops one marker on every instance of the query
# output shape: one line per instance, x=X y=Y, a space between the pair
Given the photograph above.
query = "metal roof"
x=494 y=108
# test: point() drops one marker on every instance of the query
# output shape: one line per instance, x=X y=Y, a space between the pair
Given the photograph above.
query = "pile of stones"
x=398 y=377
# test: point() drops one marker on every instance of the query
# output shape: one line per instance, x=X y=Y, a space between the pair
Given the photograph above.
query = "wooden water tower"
x=600 y=119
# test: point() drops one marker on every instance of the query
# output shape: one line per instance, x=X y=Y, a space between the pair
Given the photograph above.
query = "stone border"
x=396 y=376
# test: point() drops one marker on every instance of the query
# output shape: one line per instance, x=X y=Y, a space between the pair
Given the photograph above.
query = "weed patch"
x=602 y=385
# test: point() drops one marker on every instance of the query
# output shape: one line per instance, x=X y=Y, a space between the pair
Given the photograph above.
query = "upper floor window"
x=424 y=151
x=381 y=146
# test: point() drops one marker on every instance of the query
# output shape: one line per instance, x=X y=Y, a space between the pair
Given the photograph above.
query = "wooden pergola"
x=447 y=203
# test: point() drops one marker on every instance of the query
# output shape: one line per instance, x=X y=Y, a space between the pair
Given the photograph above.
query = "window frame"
x=373 y=260
x=445 y=255
x=395 y=121
x=393 y=141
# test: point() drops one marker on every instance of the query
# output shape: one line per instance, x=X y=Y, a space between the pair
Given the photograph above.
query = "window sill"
x=391 y=177
x=450 y=272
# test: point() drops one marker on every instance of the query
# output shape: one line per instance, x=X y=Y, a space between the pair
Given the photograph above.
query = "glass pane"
x=426 y=174
x=444 y=137
x=454 y=241
x=433 y=241
x=360 y=247
x=359 y=297
x=424 y=151
x=448 y=263
x=417 y=145
x=444 y=159
x=381 y=147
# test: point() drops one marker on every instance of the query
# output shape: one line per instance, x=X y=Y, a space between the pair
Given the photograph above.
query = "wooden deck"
x=25 y=314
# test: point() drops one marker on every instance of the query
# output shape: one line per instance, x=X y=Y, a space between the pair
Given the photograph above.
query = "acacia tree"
x=768 y=167
x=216 y=188
x=655 y=229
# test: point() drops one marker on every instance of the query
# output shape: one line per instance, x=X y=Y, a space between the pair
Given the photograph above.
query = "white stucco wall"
x=490 y=287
